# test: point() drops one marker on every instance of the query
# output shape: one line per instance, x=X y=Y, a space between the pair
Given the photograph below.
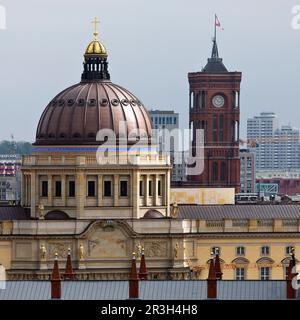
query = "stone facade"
x=174 y=248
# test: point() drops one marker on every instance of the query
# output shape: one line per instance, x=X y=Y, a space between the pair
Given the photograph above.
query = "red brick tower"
x=215 y=108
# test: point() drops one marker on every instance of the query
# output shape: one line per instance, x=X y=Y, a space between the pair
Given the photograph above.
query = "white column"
x=116 y=190
x=100 y=189
x=63 y=189
x=80 y=193
x=135 y=194
x=146 y=189
x=33 y=194
x=50 y=191
x=155 y=190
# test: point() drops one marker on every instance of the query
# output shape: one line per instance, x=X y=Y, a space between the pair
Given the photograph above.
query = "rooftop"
x=149 y=290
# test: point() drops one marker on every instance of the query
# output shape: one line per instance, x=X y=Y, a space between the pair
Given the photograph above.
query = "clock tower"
x=214 y=107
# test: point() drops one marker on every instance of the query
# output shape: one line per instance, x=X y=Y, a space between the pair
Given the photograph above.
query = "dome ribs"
x=60 y=128
x=120 y=108
x=89 y=117
x=81 y=88
x=130 y=115
x=46 y=116
x=109 y=111
x=77 y=124
x=144 y=114
x=76 y=114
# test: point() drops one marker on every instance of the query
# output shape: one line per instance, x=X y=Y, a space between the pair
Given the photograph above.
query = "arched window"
x=223 y=171
x=215 y=171
x=236 y=131
x=235 y=99
x=192 y=100
x=203 y=99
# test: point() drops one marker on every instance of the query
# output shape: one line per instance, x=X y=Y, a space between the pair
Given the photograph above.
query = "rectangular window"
x=107 y=189
x=91 y=189
x=150 y=188
x=240 y=274
x=57 y=188
x=141 y=188
x=215 y=128
x=240 y=251
x=123 y=188
x=44 y=189
x=265 y=273
x=175 y=120
x=159 y=188
x=265 y=251
x=71 y=188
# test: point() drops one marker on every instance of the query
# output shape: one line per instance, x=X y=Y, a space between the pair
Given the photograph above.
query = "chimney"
x=219 y=273
x=55 y=281
x=212 y=281
x=290 y=291
x=143 y=274
x=69 y=273
x=133 y=280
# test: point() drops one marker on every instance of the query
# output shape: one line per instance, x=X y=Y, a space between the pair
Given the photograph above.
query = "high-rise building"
x=169 y=120
x=275 y=147
x=247 y=171
x=215 y=108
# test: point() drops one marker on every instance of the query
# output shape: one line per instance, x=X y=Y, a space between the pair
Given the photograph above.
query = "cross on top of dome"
x=95 y=23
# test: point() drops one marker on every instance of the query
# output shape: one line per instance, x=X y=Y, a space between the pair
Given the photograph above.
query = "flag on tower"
x=217 y=22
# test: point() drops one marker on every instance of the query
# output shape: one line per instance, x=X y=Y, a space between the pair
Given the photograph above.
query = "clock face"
x=218 y=101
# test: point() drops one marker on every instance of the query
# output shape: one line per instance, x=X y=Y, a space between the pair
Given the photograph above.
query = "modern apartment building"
x=276 y=147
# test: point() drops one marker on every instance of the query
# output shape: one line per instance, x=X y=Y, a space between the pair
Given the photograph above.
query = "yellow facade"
x=202 y=195
x=174 y=248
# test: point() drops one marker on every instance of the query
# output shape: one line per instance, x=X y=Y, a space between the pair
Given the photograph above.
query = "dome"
x=153 y=214
x=96 y=48
x=75 y=115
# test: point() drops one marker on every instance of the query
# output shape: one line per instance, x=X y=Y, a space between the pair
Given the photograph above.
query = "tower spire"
x=214 y=63
x=215 y=53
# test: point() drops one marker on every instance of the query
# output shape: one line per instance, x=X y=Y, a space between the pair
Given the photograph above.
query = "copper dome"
x=76 y=114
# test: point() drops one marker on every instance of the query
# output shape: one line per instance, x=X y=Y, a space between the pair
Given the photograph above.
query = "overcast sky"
x=152 y=46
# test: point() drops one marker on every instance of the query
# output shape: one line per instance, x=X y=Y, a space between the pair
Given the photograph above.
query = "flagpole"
x=215 y=38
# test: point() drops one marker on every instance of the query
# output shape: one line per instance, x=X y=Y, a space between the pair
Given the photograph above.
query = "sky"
x=152 y=46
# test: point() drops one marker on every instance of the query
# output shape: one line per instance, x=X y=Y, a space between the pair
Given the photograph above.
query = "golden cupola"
x=95 y=59
x=96 y=48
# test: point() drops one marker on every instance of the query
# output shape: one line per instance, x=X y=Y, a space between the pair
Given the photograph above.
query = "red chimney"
x=290 y=291
x=55 y=281
x=133 y=280
x=219 y=273
x=212 y=281
x=69 y=273
x=143 y=274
